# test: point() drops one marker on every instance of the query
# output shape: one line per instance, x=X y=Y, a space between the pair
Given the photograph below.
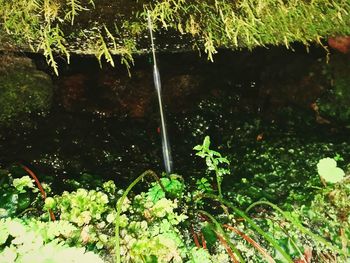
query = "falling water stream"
x=156 y=78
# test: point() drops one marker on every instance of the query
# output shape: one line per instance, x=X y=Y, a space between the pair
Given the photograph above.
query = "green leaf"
x=209 y=235
x=198 y=148
x=328 y=170
x=9 y=202
x=338 y=157
x=24 y=182
x=201 y=154
x=223 y=160
x=209 y=163
x=215 y=153
x=203 y=185
x=155 y=193
x=206 y=142
x=23 y=201
x=172 y=186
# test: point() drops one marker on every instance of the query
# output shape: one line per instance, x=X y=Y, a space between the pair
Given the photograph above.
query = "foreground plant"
x=214 y=161
x=34 y=241
x=169 y=222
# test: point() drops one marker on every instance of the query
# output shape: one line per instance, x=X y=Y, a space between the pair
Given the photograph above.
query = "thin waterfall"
x=156 y=78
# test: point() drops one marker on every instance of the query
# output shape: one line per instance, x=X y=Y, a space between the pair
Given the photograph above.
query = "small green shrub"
x=213 y=160
x=16 y=194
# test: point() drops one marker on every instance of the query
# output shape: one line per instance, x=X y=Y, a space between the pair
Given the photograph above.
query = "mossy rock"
x=335 y=103
x=23 y=89
x=105 y=28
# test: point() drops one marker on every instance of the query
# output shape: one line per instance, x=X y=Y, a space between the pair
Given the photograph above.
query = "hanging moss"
x=106 y=27
x=23 y=89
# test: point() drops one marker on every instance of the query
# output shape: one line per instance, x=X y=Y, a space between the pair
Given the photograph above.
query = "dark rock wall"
x=263 y=81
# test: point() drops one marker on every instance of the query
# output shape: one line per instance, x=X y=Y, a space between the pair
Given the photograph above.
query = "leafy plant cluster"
x=327 y=215
x=172 y=222
x=16 y=194
x=331 y=203
x=36 y=241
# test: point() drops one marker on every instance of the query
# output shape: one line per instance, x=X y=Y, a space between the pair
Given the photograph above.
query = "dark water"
x=231 y=106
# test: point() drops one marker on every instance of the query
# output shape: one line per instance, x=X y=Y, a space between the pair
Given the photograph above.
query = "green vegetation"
x=212 y=159
x=335 y=103
x=329 y=172
x=89 y=27
x=172 y=220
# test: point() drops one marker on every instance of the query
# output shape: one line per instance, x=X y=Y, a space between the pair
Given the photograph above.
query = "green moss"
x=106 y=28
x=23 y=89
x=335 y=104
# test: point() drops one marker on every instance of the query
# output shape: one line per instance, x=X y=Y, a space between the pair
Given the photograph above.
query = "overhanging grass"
x=51 y=25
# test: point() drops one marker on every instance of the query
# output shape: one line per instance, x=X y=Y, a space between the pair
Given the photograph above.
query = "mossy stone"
x=23 y=89
x=335 y=103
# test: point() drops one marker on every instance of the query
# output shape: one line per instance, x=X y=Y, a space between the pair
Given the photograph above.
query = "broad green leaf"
x=328 y=170
x=24 y=182
x=23 y=202
x=9 y=202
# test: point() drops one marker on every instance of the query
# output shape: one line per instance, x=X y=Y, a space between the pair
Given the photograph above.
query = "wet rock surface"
x=276 y=78
x=334 y=104
x=105 y=122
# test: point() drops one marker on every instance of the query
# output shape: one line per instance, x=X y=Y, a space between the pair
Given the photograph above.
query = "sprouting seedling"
x=213 y=159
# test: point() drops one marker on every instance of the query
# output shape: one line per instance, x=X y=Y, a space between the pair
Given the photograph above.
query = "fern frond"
x=52 y=39
x=102 y=50
x=75 y=7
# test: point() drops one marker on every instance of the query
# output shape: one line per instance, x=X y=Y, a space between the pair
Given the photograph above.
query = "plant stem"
x=298 y=225
x=119 y=207
x=218 y=181
x=252 y=242
x=253 y=225
x=42 y=191
x=222 y=232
